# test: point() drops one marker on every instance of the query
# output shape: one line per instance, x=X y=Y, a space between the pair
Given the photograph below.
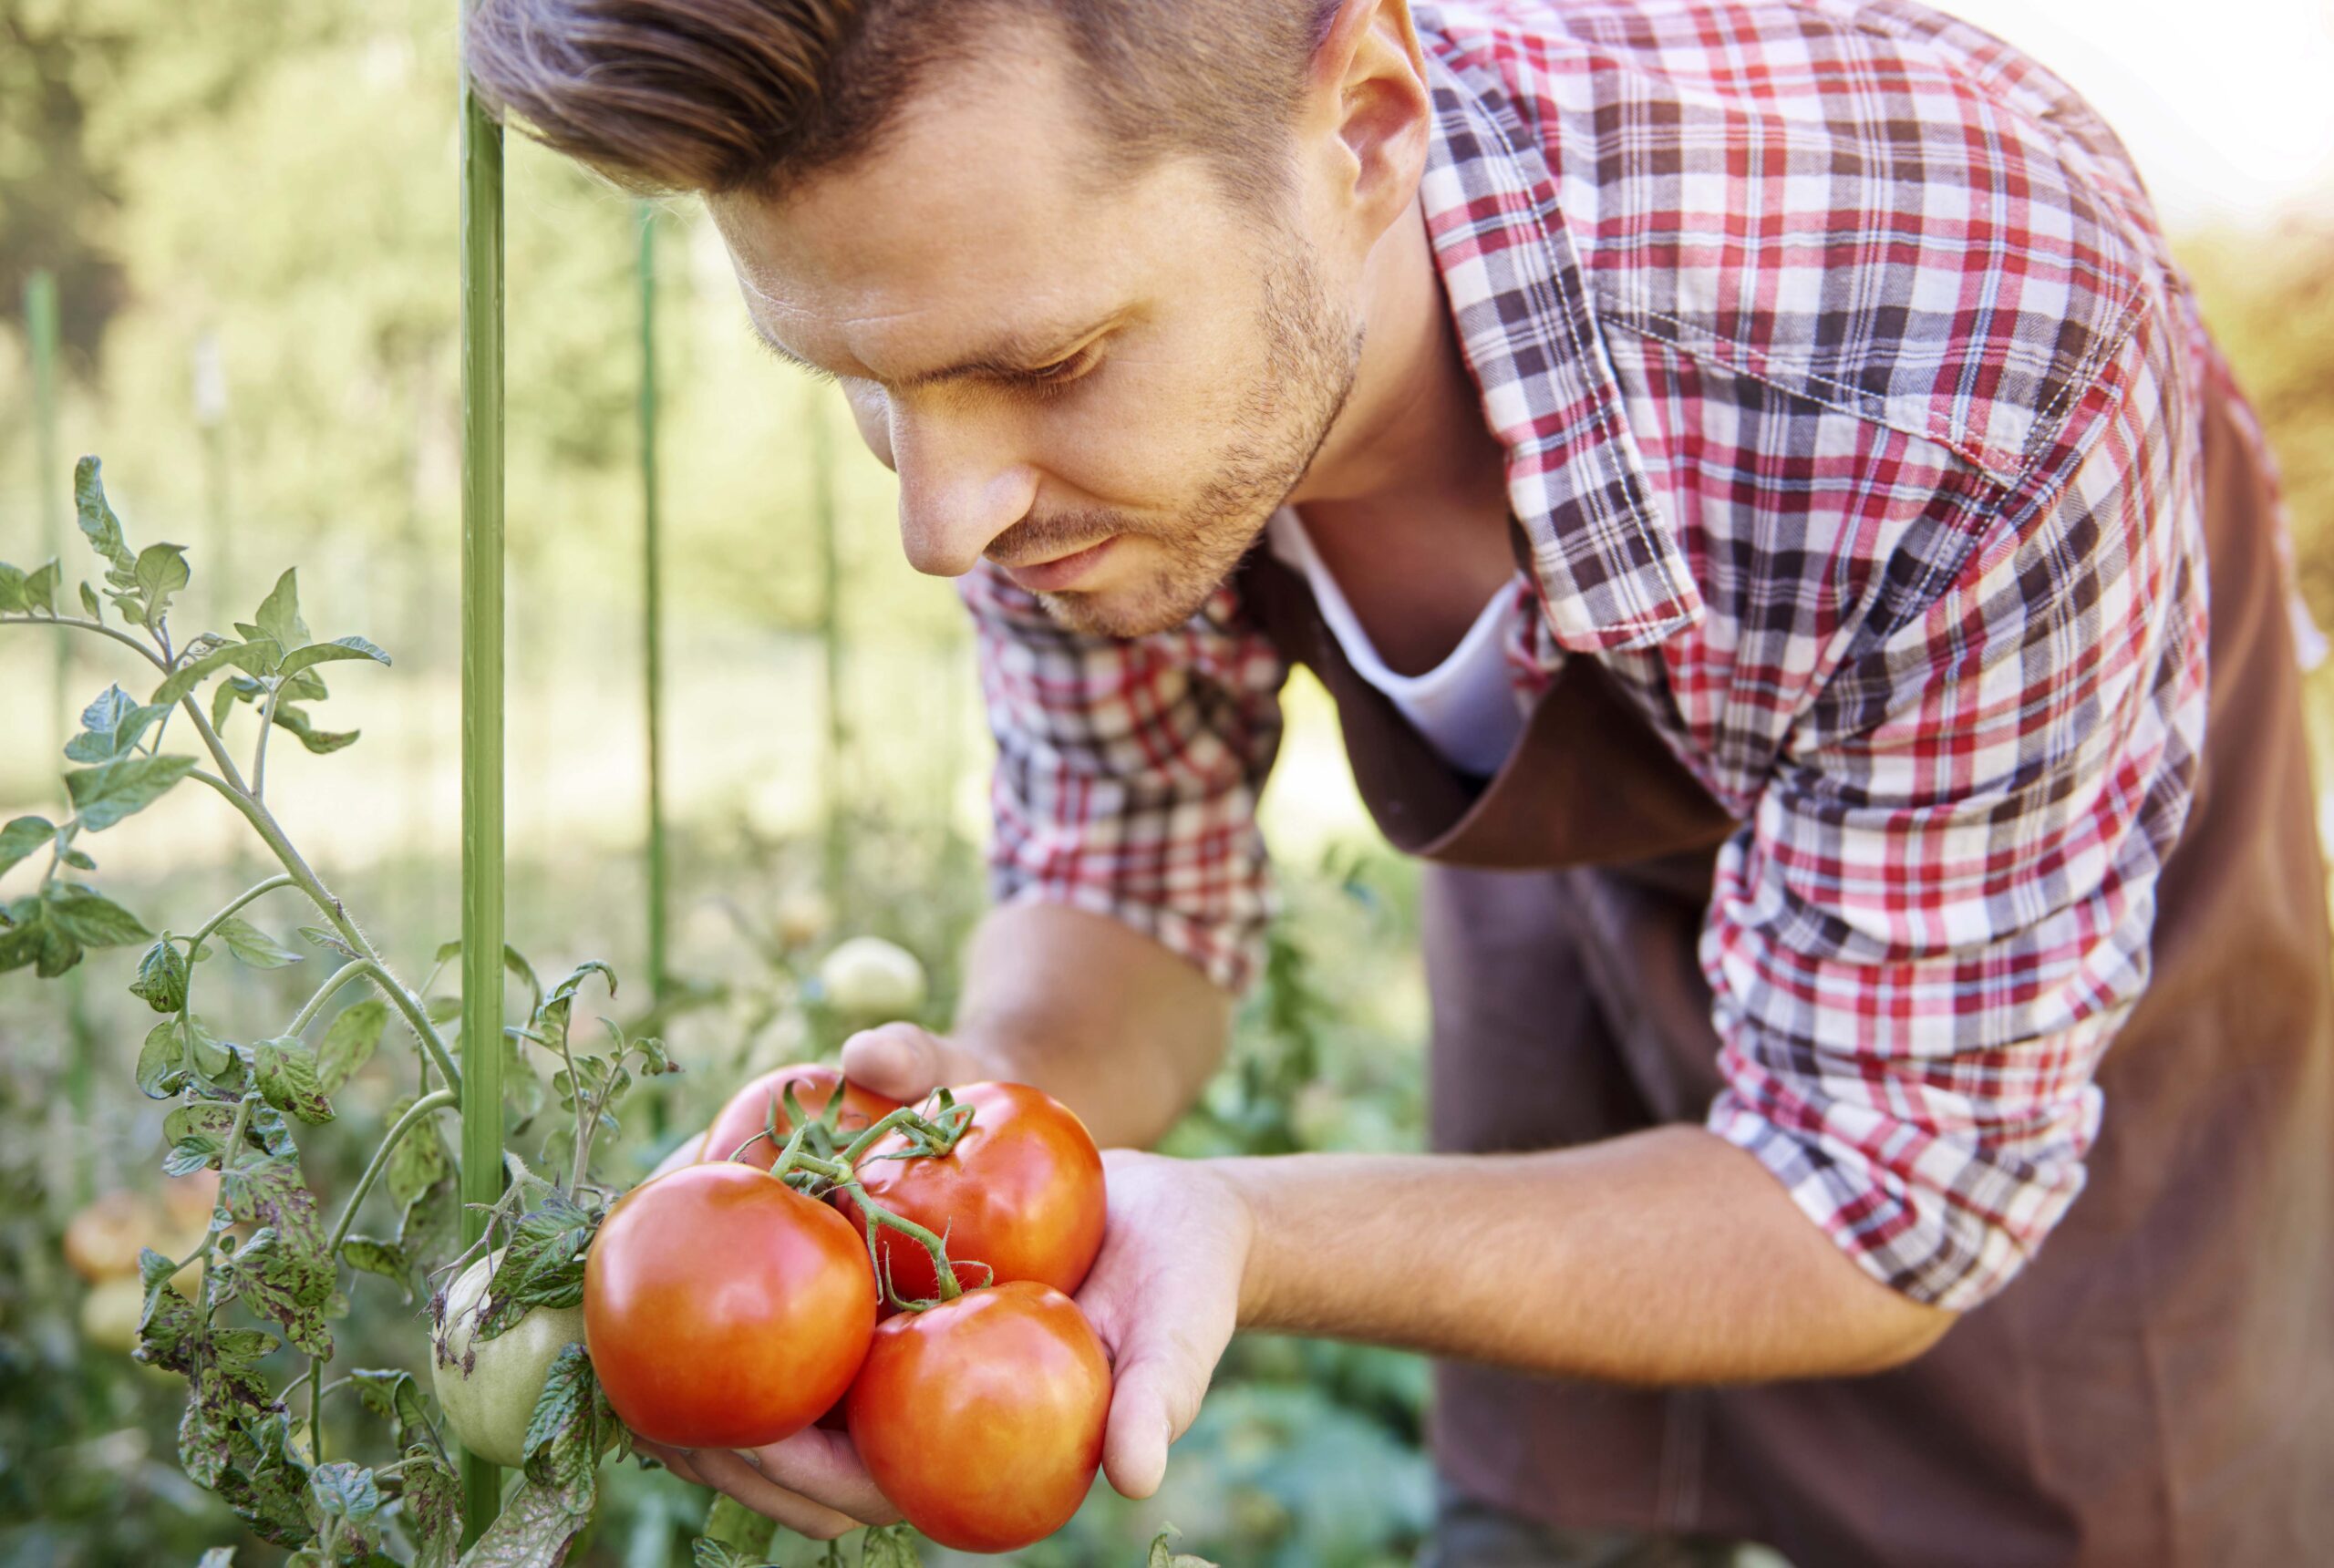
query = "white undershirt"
x=1465 y=706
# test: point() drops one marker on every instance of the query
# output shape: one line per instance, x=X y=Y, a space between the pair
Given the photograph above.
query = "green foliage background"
x=280 y=179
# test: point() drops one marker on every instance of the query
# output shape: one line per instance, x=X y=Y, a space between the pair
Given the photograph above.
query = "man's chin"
x=1119 y=613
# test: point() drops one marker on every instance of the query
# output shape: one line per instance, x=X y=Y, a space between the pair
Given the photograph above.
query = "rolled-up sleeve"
x=1128 y=771
x=1923 y=942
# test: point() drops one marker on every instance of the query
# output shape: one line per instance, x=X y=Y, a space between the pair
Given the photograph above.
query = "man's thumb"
x=901 y=1060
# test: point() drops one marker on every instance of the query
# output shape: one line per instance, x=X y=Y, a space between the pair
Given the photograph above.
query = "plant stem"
x=315 y=1410
x=437 y=1099
x=315 y=1004
x=264 y=824
x=258 y=753
x=82 y=623
x=241 y=899
x=950 y=1289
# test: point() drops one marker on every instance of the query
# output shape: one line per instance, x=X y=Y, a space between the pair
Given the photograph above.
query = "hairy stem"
x=258 y=754
x=241 y=899
x=437 y=1099
x=315 y=1004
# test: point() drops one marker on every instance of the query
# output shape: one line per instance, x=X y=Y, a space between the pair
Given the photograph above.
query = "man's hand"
x=907 y=1062
x=1164 y=1295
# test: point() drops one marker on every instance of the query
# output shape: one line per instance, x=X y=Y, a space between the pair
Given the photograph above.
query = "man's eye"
x=1061 y=371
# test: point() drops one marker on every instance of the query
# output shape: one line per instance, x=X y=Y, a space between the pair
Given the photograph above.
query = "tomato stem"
x=877 y=1216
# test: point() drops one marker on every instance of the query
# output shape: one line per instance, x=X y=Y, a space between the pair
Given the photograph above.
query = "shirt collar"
x=1609 y=572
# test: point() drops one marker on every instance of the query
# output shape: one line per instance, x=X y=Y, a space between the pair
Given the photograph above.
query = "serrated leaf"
x=22 y=837
x=287 y=1279
x=12 y=589
x=285 y=1071
x=537 y=1525
x=211 y=1058
x=253 y=947
x=161 y=979
x=99 y=523
x=93 y=920
x=110 y=792
x=349 y=1044
x=279 y=613
x=326 y=653
x=160 y=571
x=542 y=1265
x=706 y=1553
x=162 y=1060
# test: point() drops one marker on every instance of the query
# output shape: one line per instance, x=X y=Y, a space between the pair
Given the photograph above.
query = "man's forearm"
x=1665 y=1257
x=1094 y=1013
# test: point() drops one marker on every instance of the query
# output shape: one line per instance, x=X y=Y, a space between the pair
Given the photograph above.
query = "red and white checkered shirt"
x=1848 y=397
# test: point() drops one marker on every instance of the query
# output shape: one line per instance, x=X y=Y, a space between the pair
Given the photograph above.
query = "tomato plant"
x=759 y=1110
x=982 y=1418
x=1020 y=1193
x=724 y=1309
x=489 y=1388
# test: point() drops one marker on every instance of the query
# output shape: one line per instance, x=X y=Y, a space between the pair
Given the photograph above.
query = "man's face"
x=1105 y=384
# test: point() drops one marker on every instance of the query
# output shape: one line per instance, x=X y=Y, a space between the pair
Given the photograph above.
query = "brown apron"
x=2157 y=1387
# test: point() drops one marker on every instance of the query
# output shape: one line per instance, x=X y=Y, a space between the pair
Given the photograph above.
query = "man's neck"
x=1406 y=501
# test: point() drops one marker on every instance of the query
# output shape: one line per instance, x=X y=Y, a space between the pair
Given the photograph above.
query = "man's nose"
x=961 y=483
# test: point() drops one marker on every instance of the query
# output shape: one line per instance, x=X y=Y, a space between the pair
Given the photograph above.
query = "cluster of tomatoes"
x=725 y=1308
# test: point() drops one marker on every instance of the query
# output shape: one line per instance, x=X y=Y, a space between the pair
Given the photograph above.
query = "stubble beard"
x=1284 y=417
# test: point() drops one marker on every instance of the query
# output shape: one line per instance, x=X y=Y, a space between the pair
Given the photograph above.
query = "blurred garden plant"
x=267 y=1268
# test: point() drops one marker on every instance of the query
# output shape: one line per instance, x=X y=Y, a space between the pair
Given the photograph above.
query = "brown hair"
x=717 y=96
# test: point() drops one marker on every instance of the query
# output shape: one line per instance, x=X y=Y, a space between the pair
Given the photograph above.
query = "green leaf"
x=279 y=613
x=99 y=524
x=209 y=1057
x=161 y=979
x=110 y=792
x=287 y=1279
x=322 y=743
x=329 y=941
x=21 y=837
x=192 y=673
x=729 y=1522
x=205 y=1122
x=391 y=1393
x=344 y=1491
x=253 y=947
x=349 y=1044
x=419 y=1161
x=1160 y=1557
x=223 y=697
x=29 y=936
x=94 y=920
x=162 y=1060
x=285 y=1071
x=543 y=1264
x=537 y=1525
x=385 y=1259
x=891 y=1547
x=433 y=1507
x=90 y=602
x=326 y=653
x=111 y=725
x=160 y=571
x=12 y=589
x=706 y=1553
x=217 y=1557
x=40 y=588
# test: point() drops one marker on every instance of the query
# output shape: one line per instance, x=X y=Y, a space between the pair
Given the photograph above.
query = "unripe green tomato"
x=489 y=1403
x=868 y=977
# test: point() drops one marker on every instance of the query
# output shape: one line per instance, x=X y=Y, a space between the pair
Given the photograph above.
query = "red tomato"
x=723 y=1309
x=1022 y=1193
x=748 y=1109
x=982 y=1420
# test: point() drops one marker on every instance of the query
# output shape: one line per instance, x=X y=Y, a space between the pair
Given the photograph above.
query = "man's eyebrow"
x=1010 y=354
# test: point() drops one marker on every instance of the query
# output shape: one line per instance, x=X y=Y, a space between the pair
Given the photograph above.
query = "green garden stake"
x=51 y=479
x=653 y=619
x=482 y=694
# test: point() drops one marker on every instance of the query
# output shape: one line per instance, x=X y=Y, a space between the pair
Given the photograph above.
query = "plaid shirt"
x=1847 y=392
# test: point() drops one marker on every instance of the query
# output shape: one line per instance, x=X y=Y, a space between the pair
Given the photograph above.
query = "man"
x=1751 y=478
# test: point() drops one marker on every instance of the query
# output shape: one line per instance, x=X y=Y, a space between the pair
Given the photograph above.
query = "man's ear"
x=1369 y=104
